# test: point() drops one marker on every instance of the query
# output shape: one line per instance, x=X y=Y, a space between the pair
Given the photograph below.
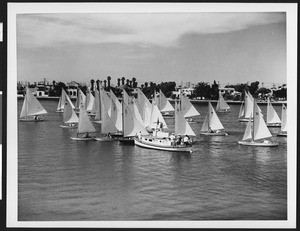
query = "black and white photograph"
x=152 y=115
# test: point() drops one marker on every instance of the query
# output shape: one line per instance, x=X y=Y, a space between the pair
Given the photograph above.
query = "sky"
x=158 y=47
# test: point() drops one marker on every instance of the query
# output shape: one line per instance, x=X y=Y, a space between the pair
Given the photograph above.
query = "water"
x=63 y=180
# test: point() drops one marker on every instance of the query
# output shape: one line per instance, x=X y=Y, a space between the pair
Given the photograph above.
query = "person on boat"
x=267 y=142
x=186 y=140
x=87 y=135
x=108 y=135
x=210 y=130
x=179 y=140
x=36 y=117
x=172 y=139
x=161 y=126
x=139 y=135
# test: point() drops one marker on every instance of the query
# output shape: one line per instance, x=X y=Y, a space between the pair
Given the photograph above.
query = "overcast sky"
x=226 y=47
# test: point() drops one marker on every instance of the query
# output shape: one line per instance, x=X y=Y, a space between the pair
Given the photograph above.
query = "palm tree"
x=134 y=83
x=119 y=82
x=92 y=84
x=105 y=84
x=146 y=84
x=142 y=86
x=97 y=84
x=123 y=81
x=108 y=82
x=127 y=82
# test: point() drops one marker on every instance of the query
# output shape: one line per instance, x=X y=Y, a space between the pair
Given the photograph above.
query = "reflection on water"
x=62 y=179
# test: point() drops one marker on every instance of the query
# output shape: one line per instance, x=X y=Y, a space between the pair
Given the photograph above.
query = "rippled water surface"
x=61 y=179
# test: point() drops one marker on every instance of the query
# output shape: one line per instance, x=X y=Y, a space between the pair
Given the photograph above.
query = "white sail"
x=84 y=124
x=116 y=101
x=272 y=116
x=163 y=104
x=81 y=99
x=205 y=126
x=144 y=107
x=90 y=107
x=181 y=125
x=105 y=101
x=69 y=115
x=156 y=117
x=131 y=125
x=107 y=124
x=126 y=98
x=62 y=100
x=283 y=117
x=31 y=106
x=222 y=105
x=211 y=121
x=248 y=131
x=116 y=115
x=242 y=110
x=261 y=130
x=248 y=109
x=187 y=107
x=97 y=106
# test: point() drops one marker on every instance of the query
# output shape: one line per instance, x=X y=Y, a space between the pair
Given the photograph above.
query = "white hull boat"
x=83 y=138
x=260 y=144
x=161 y=144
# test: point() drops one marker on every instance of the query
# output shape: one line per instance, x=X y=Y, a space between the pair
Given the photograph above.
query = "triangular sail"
x=248 y=131
x=105 y=101
x=222 y=105
x=31 y=105
x=242 y=110
x=134 y=108
x=214 y=121
x=187 y=108
x=261 y=130
x=126 y=98
x=283 y=117
x=62 y=100
x=84 y=124
x=163 y=103
x=131 y=125
x=181 y=125
x=97 y=105
x=204 y=127
x=90 y=102
x=116 y=101
x=144 y=107
x=116 y=115
x=272 y=116
x=156 y=117
x=107 y=124
x=69 y=115
x=248 y=110
x=81 y=99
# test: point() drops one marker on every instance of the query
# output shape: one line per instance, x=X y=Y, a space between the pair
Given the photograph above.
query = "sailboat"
x=84 y=125
x=131 y=125
x=257 y=130
x=61 y=102
x=273 y=119
x=31 y=109
x=188 y=110
x=110 y=126
x=69 y=116
x=222 y=106
x=165 y=144
x=164 y=105
x=283 y=130
x=212 y=125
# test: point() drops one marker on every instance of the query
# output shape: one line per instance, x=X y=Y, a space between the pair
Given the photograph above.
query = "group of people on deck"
x=180 y=140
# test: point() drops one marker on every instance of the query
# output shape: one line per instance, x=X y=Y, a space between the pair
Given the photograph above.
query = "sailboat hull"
x=253 y=143
x=82 y=139
x=155 y=144
x=32 y=120
x=244 y=119
x=127 y=140
x=60 y=111
x=105 y=139
x=282 y=134
x=68 y=126
x=97 y=121
x=223 y=110
x=274 y=125
x=214 y=133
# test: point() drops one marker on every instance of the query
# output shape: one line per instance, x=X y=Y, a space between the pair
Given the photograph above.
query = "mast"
x=253 y=120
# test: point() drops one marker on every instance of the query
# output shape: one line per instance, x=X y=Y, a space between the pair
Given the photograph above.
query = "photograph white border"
x=12 y=132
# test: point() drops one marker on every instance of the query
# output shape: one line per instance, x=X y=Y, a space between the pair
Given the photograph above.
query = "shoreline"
x=195 y=101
